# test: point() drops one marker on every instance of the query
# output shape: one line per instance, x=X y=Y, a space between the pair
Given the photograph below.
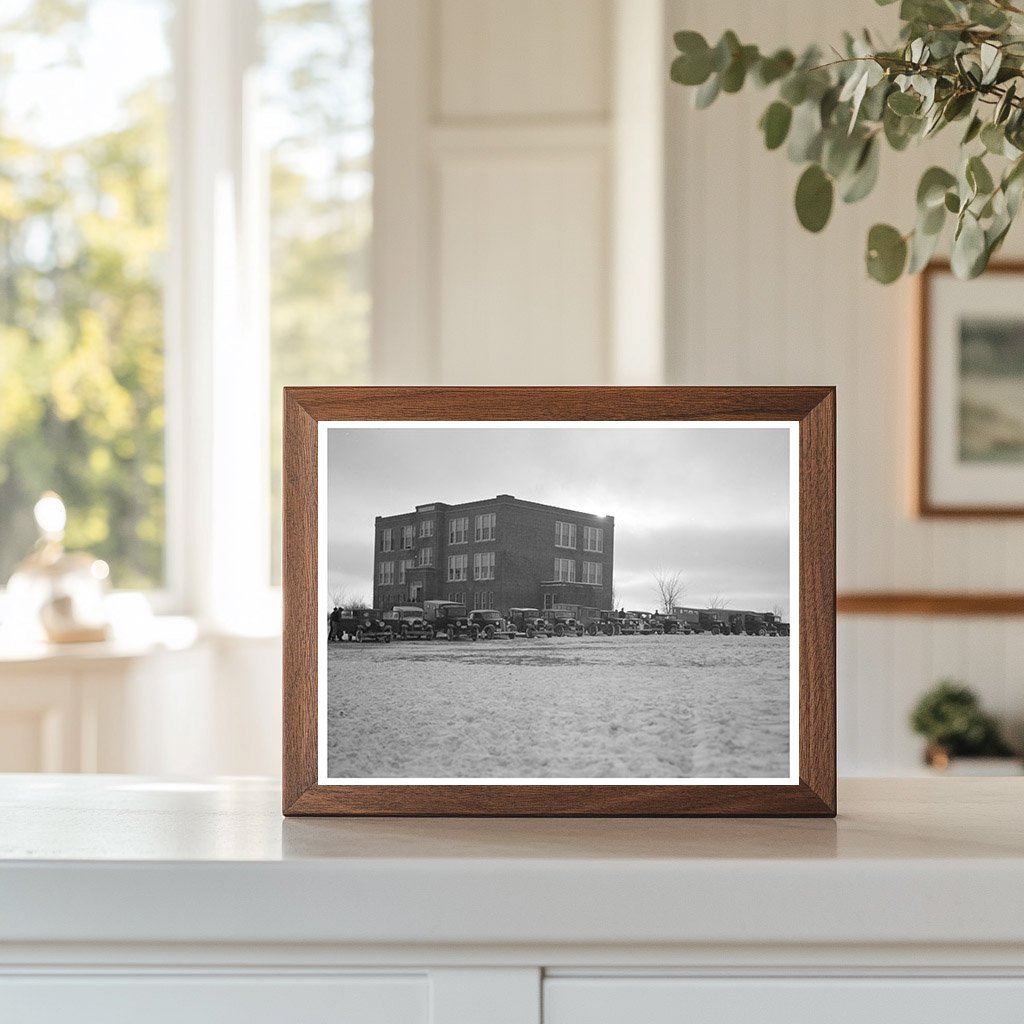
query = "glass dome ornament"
x=55 y=595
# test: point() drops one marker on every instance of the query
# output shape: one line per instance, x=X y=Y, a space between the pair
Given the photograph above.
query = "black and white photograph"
x=558 y=602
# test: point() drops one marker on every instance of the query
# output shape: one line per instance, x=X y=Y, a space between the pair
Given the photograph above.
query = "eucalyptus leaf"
x=805 y=133
x=978 y=176
x=968 y=247
x=814 y=197
x=886 y=253
x=903 y=103
x=993 y=138
x=922 y=247
x=707 y=93
x=931 y=190
x=775 y=124
x=865 y=173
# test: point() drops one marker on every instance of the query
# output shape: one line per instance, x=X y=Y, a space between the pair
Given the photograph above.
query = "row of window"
x=483 y=568
x=565 y=571
x=484 y=529
x=593 y=537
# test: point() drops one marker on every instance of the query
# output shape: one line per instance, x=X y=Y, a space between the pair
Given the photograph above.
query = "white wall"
x=754 y=299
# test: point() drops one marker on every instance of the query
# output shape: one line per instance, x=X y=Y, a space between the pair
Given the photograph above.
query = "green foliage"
x=956 y=60
x=949 y=715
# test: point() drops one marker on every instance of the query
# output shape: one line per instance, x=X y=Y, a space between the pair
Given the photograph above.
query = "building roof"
x=499 y=499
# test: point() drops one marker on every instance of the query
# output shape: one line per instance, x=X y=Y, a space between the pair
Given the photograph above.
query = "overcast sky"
x=710 y=502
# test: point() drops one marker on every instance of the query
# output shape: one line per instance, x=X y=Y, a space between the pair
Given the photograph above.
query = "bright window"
x=484 y=526
x=457 y=567
x=458 y=530
x=593 y=539
x=408 y=537
x=403 y=568
x=565 y=535
x=565 y=570
x=426 y=557
x=84 y=169
x=317 y=127
x=386 y=573
x=387 y=540
x=426 y=527
x=592 y=572
x=483 y=566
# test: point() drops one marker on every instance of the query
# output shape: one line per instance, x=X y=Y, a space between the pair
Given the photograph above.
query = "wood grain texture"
x=813 y=408
x=924 y=603
x=925 y=506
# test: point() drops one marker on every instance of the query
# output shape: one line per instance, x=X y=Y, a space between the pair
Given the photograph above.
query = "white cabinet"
x=126 y=900
x=216 y=1000
x=830 y=1000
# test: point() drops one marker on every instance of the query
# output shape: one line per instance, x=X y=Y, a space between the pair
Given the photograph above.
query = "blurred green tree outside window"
x=84 y=210
x=83 y=236
x=317 y=116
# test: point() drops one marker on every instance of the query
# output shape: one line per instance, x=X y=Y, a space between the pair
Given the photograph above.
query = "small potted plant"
x=950 y=717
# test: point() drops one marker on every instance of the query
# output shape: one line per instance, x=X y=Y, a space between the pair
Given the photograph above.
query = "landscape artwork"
x=558 y=602
x=991 y=389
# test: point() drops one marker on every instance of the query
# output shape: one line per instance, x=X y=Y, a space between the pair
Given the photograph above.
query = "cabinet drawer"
x=202 y=999
x=782 y=1000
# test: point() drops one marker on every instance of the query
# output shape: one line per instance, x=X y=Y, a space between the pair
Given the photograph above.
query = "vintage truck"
x=605 y=621
x=449 y=619
x=564 y=623
x=646 y=623
x=529 y=622
x=408 y=622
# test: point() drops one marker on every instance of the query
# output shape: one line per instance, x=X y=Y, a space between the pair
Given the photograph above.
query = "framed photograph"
x=971 y=393
x=559 y=601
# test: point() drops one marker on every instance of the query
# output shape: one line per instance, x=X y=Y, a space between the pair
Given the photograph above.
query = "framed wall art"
x=559 y=601
x=970 y=450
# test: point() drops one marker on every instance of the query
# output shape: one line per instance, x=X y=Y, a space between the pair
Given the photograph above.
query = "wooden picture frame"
x=942 y=488
x=809 y=415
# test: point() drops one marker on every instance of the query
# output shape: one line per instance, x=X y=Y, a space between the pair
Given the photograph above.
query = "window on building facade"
x=483 y=599
x=565 y=535
x=457 y=567
x=408 y=536
x=386 y=573
x=593 y=539
x=386 y=540
x=549 y=601
x=426 y=527
x=426 y=557
x=403 y=567
x=458 y=596
x=565 y=570
x=483 y=565
x=484 y=526
x=458 y=530
x=592 y=572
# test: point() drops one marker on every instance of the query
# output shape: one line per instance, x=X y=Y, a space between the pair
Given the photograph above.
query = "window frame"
x=570 y=529
x=455 y=563
x=559 y=563
x=482 y=531
x=598 y=532
x=478 y=566
x=453 y=532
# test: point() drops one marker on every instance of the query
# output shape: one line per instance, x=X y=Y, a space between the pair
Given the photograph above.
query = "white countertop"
x=119 y=859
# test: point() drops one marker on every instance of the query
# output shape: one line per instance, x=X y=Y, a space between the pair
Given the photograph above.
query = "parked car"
x=529 y=622
x=408 y=622
x=751 y=623
x=564 y=623
x=776 y=627
x=668 y=623
x=716 y=621
x=646 y=623
x=490 y=624
x=607 y=622
x=449 y=619
x=361 y=624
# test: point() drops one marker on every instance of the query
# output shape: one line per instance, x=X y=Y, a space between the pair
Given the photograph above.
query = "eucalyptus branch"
x=953 y=62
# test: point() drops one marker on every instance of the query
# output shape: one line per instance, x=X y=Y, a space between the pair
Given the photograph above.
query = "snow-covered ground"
x=625 y=707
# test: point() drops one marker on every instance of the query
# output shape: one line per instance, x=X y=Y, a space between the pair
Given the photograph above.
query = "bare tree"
x=717 y=601
x=777 y=610
x=670 y=587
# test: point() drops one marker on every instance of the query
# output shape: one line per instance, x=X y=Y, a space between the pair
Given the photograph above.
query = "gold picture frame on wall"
x=970 y=377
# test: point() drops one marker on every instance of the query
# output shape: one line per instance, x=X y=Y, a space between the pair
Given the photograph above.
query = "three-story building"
x=499 y=552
